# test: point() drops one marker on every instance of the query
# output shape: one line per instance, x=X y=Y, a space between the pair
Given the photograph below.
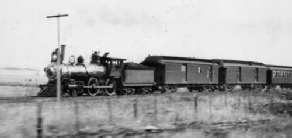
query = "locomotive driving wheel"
x=93 y=82
x=111 y=91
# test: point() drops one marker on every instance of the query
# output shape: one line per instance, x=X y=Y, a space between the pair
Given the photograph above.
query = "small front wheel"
x=74 y=93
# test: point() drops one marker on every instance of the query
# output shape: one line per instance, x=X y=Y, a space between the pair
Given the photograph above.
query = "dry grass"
x=22 y=80
x=18 y=91
x=118 y=114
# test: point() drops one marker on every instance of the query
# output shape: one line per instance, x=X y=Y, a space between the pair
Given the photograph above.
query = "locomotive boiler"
x=77 y=71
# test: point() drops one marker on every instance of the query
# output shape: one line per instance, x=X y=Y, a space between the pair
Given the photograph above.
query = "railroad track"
x=29 y=99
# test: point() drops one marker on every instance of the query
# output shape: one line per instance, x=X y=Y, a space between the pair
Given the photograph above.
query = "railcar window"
x=256 y=74
x=114 y=65
x=183 y=68
x=239 y=74
x=284 y=73
x=199 y=70
x=274 y=74
x=211 y=73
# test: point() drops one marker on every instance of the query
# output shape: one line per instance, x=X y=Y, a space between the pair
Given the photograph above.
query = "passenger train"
x=112 y=76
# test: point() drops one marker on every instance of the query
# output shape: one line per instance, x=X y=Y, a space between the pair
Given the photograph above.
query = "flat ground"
x=181 y=114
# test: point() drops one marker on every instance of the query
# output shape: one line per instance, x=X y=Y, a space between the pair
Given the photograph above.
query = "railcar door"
x=269 y=77
x=222 y=75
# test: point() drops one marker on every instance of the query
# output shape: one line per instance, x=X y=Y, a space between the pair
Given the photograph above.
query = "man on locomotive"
x=95 y=58
x=80 y=60
x=54 y=56
x=72 y=60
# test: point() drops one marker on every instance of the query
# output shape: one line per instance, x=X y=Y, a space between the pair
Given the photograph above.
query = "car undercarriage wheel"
x=139 y=91
x=93 y=82
x=128 y=91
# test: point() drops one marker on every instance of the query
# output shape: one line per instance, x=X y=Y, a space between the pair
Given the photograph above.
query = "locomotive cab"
x=113 y=66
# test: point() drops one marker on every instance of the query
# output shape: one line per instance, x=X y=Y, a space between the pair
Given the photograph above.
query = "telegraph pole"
x=58 y=55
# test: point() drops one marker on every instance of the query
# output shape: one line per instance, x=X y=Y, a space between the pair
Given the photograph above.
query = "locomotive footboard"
x=47 y=91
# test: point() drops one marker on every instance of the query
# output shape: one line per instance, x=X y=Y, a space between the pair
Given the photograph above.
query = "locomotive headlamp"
x=51 y=72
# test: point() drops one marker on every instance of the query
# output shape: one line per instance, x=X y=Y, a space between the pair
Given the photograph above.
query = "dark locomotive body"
x=104 y=75
x=173 y=72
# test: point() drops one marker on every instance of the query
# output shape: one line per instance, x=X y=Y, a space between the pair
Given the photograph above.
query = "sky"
x=254 y=30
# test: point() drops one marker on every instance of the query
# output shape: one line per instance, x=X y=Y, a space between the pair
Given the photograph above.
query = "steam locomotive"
x=102 y=76
x=109 y=76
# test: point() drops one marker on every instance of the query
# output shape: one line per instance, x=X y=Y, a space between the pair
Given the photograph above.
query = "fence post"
x=195 y=96
x=110 y=111
x=239 y=98
x=272 y=101
x=76 y=116
x=254 y=98
x=225 y=98
x=155 y=109
x=39 y=128
x=195 y=102
x=135 y=108
x=210 y=106
x=287 y=98
x=249 y=101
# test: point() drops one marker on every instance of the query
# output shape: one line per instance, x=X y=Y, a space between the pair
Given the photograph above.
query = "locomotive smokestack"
x=62 y=53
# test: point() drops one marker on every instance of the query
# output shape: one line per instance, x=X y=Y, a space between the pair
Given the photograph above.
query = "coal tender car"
x=103 y=76
x=173 y=72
